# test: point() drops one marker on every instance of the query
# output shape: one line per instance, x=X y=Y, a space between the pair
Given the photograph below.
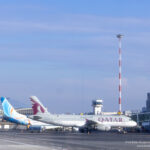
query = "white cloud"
x=75 y=23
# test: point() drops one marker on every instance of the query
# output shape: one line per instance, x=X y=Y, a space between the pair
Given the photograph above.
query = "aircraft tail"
x=10 y=114
x=8 y=109
x=37 y=106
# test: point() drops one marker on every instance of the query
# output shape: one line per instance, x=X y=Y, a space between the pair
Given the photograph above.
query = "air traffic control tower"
x=97 y=106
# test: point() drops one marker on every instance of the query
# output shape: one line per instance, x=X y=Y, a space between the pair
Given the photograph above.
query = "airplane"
x=88 y=122
x=11 y=115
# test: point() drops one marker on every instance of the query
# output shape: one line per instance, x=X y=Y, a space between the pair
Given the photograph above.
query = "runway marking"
x=37 y=147
x=10 y=141
x=54 y=146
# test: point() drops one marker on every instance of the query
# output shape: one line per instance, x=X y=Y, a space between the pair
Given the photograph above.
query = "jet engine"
x=103 y=127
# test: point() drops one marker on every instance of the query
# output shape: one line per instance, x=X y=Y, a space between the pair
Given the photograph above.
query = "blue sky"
x=66 y=53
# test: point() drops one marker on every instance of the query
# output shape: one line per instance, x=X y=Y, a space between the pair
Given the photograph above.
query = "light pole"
x=119 y=36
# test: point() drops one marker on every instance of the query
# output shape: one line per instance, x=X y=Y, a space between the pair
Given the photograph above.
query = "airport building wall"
x=25 y=111
x=141 y=117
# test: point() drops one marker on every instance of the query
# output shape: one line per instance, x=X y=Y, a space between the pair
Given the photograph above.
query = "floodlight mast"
x=119 y=36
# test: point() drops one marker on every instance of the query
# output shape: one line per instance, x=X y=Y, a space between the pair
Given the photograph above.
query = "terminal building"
x=148 y=102
x=143 y=117
x=25 y=111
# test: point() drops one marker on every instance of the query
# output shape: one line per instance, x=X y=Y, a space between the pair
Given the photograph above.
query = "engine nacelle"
x=103 y=127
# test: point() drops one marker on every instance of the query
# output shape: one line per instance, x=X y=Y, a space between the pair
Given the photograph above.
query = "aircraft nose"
x=134 y=123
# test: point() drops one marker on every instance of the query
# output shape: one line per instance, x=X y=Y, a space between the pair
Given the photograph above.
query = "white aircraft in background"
x=100 y=122
x=10 y=114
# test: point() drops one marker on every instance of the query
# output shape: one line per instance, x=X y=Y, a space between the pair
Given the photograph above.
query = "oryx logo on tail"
x=37 y=106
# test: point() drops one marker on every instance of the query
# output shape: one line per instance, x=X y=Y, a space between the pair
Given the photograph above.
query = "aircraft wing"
x=96 y=125
x=90 y=123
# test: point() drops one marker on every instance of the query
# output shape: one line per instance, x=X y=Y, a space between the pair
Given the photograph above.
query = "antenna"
x=119 y=36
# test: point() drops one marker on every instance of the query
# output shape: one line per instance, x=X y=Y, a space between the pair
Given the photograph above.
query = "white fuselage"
x=81 y=120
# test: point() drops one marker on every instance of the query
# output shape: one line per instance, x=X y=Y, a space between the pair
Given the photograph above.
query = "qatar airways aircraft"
x=100 y=122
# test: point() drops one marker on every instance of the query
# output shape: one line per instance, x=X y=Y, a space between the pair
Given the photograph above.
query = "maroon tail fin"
x=37 y=107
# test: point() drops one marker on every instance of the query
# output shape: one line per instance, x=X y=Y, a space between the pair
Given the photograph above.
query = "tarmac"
x=15 y=140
